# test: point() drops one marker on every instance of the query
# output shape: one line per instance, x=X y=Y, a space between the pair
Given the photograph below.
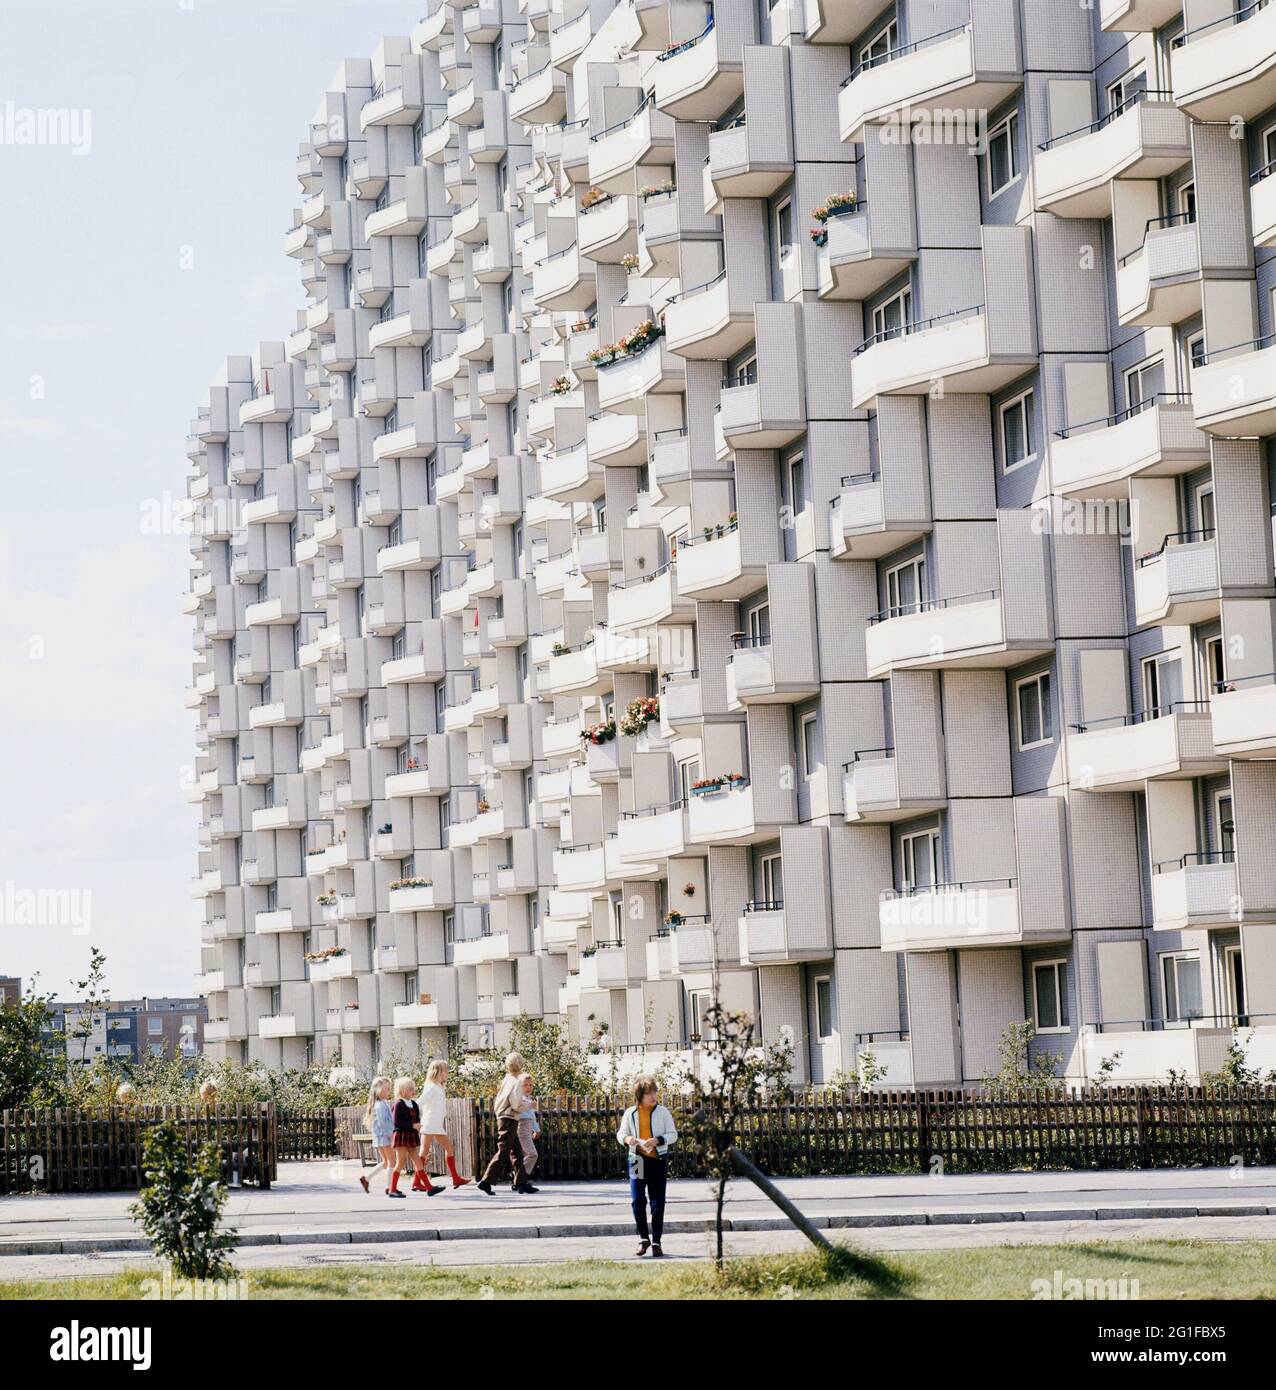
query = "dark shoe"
x=643 y=1247
x=363 y=1182
x=526 y=1188
x=404 y=1195
x=484 y=1186
x=656 y=1252
x=433 y=1191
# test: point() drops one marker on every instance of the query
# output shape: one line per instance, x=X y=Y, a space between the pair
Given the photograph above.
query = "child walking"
x=407 y=1137
x=379 y=1121
x=433 y=1115
x=529 y=1127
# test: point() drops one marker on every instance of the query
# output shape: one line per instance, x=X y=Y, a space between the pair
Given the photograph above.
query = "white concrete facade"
x=862 y=415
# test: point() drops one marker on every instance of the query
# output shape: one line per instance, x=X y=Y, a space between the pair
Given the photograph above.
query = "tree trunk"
x=748 y=1169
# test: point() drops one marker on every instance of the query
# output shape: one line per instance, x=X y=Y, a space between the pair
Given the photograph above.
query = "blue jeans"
x=649 y=1187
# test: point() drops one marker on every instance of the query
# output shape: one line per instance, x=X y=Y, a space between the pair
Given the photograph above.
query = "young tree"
x=736 y=1074
x=93 y=992
x=180 y=1206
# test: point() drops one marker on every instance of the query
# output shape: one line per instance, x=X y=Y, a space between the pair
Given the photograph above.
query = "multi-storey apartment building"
x=769 y=499
x=128 y=1029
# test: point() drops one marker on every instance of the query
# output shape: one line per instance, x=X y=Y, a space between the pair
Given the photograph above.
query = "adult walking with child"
x=509 y=1107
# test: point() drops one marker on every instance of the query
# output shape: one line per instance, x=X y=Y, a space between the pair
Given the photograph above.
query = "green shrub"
x=180 y=1207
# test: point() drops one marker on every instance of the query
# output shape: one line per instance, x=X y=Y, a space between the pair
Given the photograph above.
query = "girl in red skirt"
x=407 y=1137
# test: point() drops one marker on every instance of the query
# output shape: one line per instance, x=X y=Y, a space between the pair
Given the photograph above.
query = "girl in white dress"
x=433 y=1114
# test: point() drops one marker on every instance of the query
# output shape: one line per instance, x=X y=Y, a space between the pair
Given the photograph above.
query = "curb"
x=619 y=1229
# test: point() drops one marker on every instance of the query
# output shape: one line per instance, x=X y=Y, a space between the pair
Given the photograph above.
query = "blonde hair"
x=373 y=1097
x=514 y=1064
x=208 y=1092
x=436 y=1068
x=124 y=1093
x=403 y=1084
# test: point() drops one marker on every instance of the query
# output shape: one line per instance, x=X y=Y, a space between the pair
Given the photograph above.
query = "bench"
x=363 y=1142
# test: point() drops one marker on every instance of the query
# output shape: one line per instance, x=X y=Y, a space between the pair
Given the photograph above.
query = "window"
x=823 y=1006
x=688 y=773
x=745 y=373
x=784 y=239
x=699 y=1002
x=1194 y=349
x=919 y=859
x=1036 y=717
x=812 y=745
x=795 y=481
x=1181 y=975
x=1002 y=161
x=883 y=42
x=906 y=587
x=1234 y=984
x=1143 y=383
x=1187 y=202
x=1050 y=996
x=1017 y=443
x=1224 y=827
x=1150 y=674
x=758 y=625
x=771 y=881
x=1203 y=509
x=1213 y=673
x=1126 y=89
x=891 y=318
x=155 y=1026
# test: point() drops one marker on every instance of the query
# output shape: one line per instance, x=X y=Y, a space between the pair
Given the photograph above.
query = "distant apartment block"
x=130 y=1029
x=767 y=499
x=10 y=991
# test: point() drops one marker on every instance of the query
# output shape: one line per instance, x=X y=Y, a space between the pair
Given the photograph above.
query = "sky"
x=137 y=250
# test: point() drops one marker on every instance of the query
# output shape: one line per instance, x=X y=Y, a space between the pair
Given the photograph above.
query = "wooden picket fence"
x=949 y=1130
x=60 y=1150
x=459 y=1123
x=307 y=1134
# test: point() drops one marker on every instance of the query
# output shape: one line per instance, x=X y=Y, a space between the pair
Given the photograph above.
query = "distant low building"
x=132 y=1029
x=10 y=990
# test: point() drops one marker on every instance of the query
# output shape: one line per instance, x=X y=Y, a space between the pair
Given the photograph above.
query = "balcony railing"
x=1143 y=716
x=865 y=64
x=916 y=326
x=1130 y=102
x=1176 y=538
x=1106 y=421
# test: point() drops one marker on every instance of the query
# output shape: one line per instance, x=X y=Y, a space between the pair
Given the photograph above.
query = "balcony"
x=1158 y=438
x=648 y=601
x=607 y=230
x=726 y=814
x=701 y=323
x=863 y=249
x=1137 y=16
x=1126 y=751
x=957 y=348
x=284 y=1026
x=713 y=566
x=619 y=441
x=572 y=672
x=1159 y=284
x=967 y=630
x=569 y=475
x=777 y=671
x=1178 y=584
x=1234 y=391
x=954 y=916
x=625 y=383
x=435 y=1014
x=868 y=519
x=580 y=868
x=1244 y=715
x=655 y=834
x=881 y=785
x=606 y=968
x=694 y=947
x=771 y=936
x=764 y=415
x=564 y=280
x=616 y=154
x=1196 y=890
x=695 y=83
x=1146 y=137
x=973 y=67
x=568 y=39
x=1226 y=69
x=479 y=950
x=540 y=98
x=747 y=161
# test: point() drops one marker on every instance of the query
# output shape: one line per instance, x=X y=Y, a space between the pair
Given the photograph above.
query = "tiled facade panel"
x=931 y=603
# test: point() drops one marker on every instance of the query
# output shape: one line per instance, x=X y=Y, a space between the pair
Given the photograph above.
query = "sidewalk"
x=320 y=1203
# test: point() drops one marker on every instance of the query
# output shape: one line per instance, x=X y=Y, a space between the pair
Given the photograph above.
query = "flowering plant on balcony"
x=658 y=190
x=561 y=387
x=708 y=784
x=412 y=765
x=592 y=197
x=587 y=951
x=483 y=806
x=639 y=714
x=834 y=206
x=328 y=953
x=600 y=733
x=412 y=883
x=602 y=356
x=559 y=649
x=327 y=900
x=641 y=337
x=629 y=261
x=582 y=326
x=674 y=918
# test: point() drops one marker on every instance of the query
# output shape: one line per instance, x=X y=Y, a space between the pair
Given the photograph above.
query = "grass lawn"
x=1164 y=1269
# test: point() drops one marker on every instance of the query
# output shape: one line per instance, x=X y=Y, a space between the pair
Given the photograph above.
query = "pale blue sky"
x=197 y=107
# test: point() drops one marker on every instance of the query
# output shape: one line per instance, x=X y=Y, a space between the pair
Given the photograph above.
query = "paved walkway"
x=317 y=1213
